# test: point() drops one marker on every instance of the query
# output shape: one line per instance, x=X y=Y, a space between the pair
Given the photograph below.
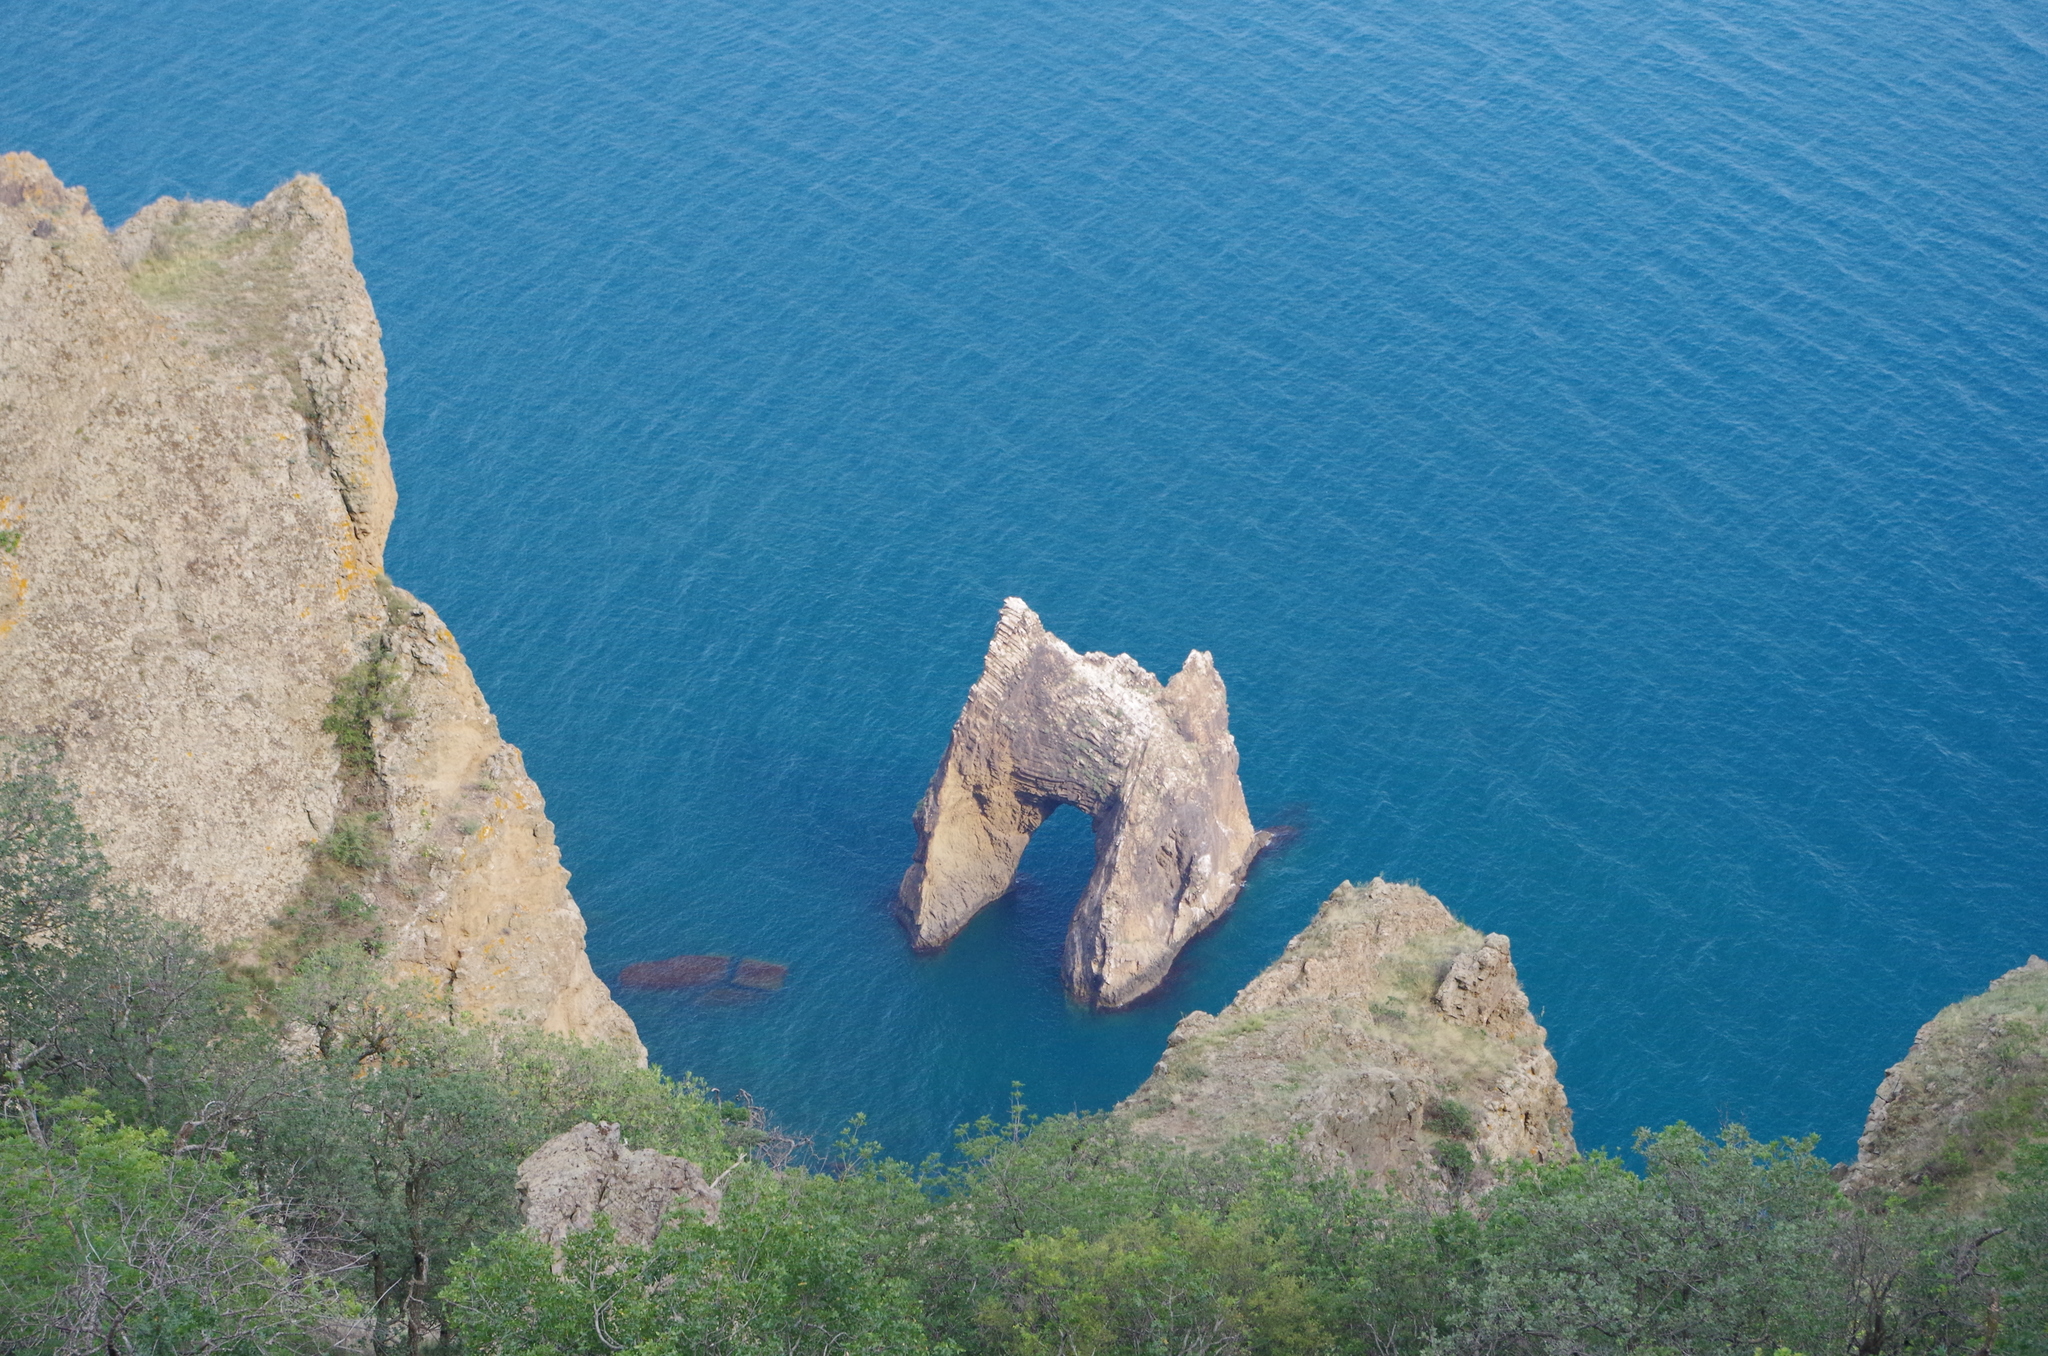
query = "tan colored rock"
x=194 y=497
x=588 y=1171
x=1389 y=1035
x=1153 y=765
x=1948 y=1116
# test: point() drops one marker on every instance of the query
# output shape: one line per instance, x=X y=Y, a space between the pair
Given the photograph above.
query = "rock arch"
x=1153 y=765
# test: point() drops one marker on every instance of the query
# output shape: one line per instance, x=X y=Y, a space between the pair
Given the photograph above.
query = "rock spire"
x=1154 y=766
x=1391 y=1039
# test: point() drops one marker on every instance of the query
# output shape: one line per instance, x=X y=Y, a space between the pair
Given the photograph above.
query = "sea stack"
x=1154 y=766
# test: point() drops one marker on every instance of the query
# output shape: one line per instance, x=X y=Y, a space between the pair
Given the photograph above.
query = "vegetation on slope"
x=184 y=1169
x=1953 y=1115
x=368 y=1135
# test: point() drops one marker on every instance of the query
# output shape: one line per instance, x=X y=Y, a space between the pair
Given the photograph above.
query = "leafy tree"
x=95 y=991
x=1716 y=1248
x=1190 y=1286
x=404 y=1124
x=2018 y=1255
x=789 y=1270
x=112 y=1241
x=396 y=1127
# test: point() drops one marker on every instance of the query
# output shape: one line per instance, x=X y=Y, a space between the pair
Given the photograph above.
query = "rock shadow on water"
x=710 y=981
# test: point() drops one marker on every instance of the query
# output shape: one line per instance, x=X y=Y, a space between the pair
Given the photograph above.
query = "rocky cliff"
x=272 y=739
x=1393 y=1038
x=1974 y=1086
x=1153 y=765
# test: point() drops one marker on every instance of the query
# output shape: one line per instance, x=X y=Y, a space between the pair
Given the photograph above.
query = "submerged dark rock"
x=677 y=972
x=757 y=974
x=720 y=981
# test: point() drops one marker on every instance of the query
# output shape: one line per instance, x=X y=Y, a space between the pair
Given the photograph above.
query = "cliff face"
x=1974 y=1086
x=1153 y=765
x=194 y=497
x=1398 y=1039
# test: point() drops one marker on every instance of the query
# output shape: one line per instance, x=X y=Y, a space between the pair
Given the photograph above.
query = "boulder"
x=588 y=1171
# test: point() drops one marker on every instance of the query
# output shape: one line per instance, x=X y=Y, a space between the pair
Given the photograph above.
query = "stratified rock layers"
x=1153 y=765
x=1394 y=1040
x=194 y=497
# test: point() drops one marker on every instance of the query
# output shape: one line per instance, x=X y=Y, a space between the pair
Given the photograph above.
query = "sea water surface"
x=1601 y=442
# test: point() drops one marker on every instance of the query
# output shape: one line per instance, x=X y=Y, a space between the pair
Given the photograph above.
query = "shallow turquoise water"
x=1601 y=443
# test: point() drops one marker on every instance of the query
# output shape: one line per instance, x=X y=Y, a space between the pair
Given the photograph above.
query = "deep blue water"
x=1601 y=441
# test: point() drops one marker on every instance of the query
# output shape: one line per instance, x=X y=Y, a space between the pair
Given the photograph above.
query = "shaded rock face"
x=1948 y=1116
x=1154 y=766
x=1395 y=1038
x=194 y=497
x=588 y=1171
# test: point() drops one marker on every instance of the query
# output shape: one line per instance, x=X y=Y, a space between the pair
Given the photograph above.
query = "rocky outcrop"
x=1153 y=765
x=1974 y=1086
x=588 y=1171
x=1396 y=1041
x=194 y=496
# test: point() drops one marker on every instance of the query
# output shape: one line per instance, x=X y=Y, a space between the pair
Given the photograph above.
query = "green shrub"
x=115 y=1242
x=1456 y=1161
x=1450 y=1118
x=369 y=692
x=354 y=843
x=353 y=908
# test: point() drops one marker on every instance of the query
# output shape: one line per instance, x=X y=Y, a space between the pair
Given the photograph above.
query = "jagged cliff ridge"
x=1974 y=1086
x=1397 y=1040
x=194 y=497
x=1154 y=766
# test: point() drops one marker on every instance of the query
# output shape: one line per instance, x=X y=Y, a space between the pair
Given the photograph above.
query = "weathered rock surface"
x=1154 y=766
x=1974 y=1086
x=1396 y=1038
x=194 y=497
x=588 y=1171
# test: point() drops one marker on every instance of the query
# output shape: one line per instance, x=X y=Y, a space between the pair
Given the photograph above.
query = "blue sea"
x=1601 y=441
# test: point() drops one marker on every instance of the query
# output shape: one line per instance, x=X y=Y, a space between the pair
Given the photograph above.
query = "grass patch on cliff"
x=2013 y=1116
x=337 y=904
x=177 y=271
x=372 y=691
x=355 y=843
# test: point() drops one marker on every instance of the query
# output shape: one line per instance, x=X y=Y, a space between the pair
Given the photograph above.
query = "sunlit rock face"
x=194 y=496
x=1155 y=767
x=1389 y=1040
